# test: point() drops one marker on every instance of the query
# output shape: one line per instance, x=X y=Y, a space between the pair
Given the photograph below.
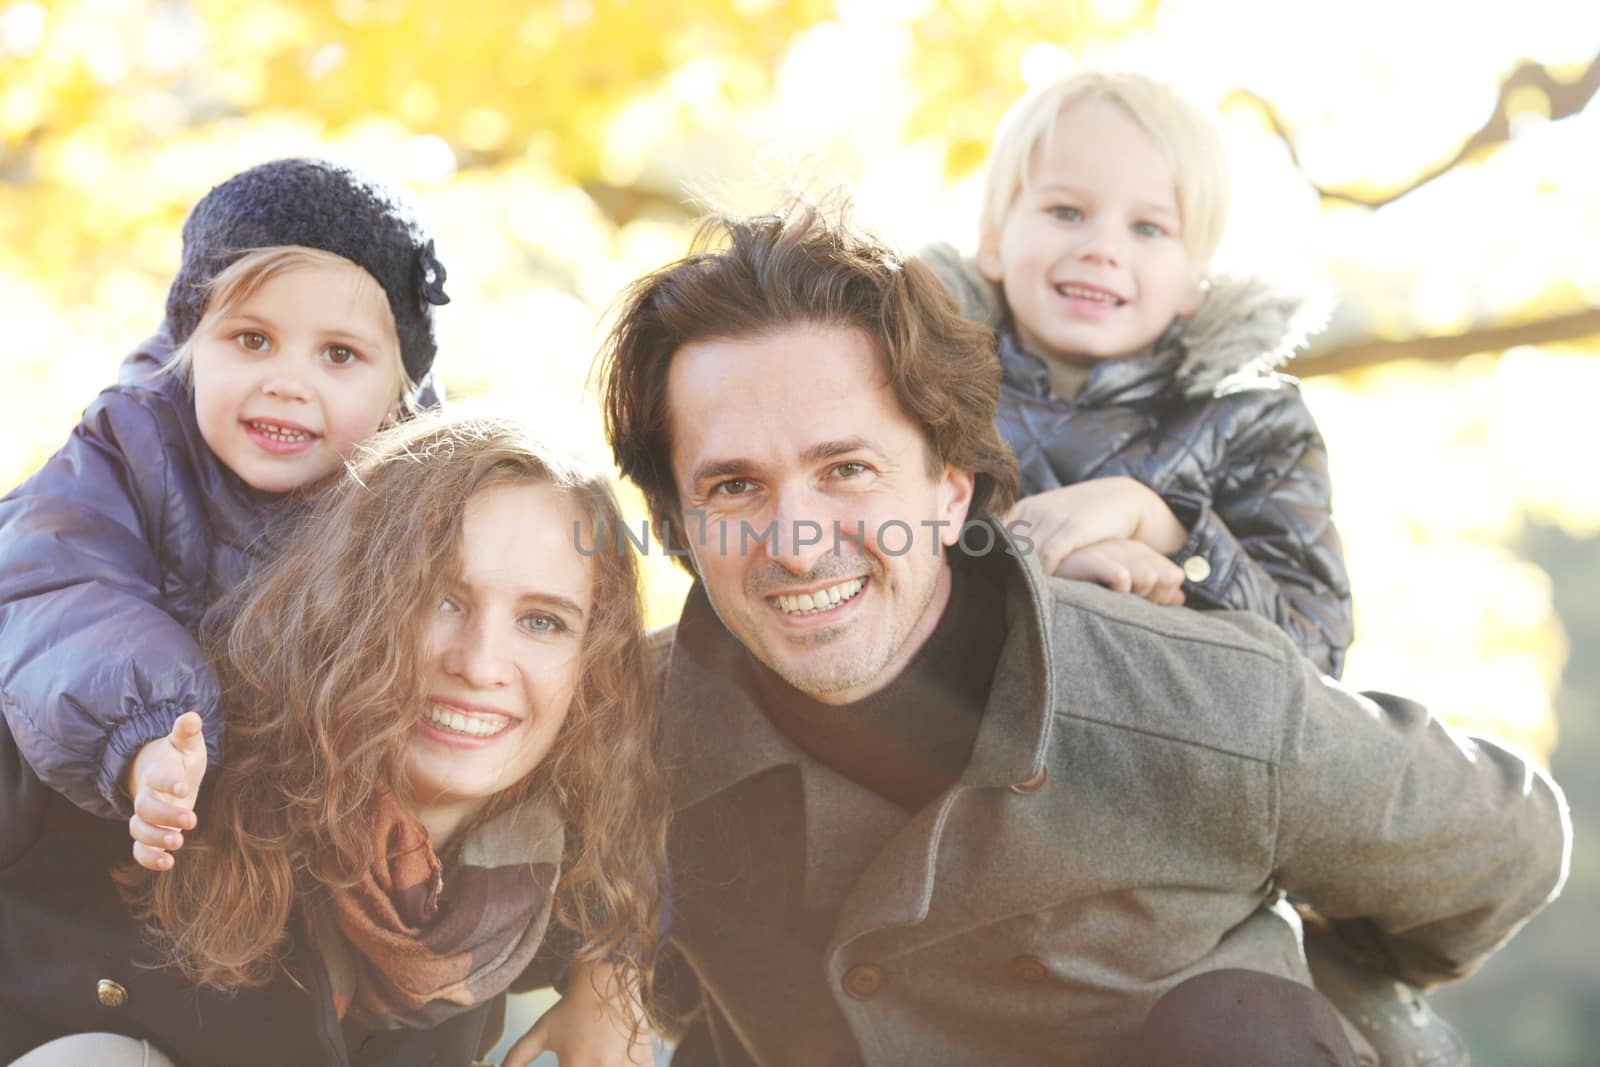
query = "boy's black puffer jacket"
x=1207 y=423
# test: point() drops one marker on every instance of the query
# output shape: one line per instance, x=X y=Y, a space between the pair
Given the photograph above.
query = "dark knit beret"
x=315 y=204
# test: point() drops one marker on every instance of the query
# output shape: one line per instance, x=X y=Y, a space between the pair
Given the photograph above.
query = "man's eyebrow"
x=842 y=446
x=733 y=468
x=719 y=468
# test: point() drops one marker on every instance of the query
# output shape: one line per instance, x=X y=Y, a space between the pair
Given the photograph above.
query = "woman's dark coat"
x=64 y=929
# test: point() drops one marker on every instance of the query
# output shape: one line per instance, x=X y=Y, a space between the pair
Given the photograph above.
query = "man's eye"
x=254 y=342
x=340 y=355
x=732 y=487
x=850 y=469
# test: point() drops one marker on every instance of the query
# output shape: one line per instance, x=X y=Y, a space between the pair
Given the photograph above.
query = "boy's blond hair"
x=234 y=285
x=1186 y=137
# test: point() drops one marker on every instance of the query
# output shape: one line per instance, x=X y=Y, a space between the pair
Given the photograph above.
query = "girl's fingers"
x=158 y=812
x=188 y=734
x=151 y=859
x=154 y=836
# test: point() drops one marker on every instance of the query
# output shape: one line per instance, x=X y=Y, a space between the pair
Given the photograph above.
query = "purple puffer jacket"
x=109 y=557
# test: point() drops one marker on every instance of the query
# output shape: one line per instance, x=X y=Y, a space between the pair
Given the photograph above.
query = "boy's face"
x=292 y=378
x=1091 y=256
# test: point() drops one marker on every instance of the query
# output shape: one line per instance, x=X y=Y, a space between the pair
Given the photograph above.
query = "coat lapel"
x=862 y=852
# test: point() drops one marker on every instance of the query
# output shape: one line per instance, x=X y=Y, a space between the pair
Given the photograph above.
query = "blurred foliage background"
x=1432 y=168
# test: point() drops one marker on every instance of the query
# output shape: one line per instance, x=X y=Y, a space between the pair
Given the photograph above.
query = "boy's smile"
x=1091 y=256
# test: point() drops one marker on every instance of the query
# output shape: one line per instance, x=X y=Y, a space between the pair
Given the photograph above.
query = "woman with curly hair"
x=437 y=782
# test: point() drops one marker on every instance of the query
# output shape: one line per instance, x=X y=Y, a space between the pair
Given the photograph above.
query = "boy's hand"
x=165 y=781
x=583 y=1030
x=1062 y=521
x=1127 y=567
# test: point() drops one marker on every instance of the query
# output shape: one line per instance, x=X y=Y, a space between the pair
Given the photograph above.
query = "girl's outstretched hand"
x=583 y=1030
x=165 y=782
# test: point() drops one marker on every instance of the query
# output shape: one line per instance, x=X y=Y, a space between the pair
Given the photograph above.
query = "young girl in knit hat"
x=301 y=320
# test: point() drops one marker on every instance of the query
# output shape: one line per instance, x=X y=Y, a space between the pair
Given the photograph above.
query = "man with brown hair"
x=933 y=807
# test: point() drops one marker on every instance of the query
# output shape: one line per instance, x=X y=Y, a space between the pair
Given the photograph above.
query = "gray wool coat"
x=1146 y=785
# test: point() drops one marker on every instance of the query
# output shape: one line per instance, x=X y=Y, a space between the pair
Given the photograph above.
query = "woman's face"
x=504 y=651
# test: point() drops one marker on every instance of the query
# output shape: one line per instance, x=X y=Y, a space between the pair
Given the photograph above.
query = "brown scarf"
x=408 y=947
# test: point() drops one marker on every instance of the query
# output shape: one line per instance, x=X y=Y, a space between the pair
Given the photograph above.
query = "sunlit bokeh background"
x=1436 y=170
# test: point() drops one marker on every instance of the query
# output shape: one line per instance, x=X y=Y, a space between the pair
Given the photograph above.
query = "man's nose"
x=802 y=530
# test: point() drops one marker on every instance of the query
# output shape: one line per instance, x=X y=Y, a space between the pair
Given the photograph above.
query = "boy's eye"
x=1149 y=229
x=1064 y=212
x=340 y=355
x=254 y=342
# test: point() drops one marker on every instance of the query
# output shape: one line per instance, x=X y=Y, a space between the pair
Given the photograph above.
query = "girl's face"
x=1091 y=256
x=291 y=379
x=504 y=652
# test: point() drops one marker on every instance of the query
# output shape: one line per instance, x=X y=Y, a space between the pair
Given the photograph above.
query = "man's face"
x=795 y=437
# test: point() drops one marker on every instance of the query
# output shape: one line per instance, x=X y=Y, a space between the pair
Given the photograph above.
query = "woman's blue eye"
x=543 y=624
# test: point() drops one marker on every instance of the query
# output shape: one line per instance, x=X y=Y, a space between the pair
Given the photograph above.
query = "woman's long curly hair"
x=321 y=659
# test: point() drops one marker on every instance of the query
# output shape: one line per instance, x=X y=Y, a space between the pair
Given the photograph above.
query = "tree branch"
x=1442 y=347
x=1566 y=99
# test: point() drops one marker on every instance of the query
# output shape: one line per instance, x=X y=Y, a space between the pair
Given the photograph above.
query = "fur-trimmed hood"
x=1245 y=327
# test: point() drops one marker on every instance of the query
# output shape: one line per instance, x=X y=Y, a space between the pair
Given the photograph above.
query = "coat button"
x=1032 y=785
x=1030 y=969
x=1196 y=568
x=864 y=981
x=111 y=994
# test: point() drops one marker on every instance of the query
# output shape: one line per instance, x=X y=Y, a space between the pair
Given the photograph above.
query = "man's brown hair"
x=746 y=277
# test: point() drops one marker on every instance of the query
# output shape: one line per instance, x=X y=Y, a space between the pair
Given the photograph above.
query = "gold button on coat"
x=864 y=981
x=111 y=994
x=1032 y=785
x=1196 y=568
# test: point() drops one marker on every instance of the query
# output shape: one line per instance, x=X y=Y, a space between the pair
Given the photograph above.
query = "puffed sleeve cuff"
x=148 y=723
x=1209 y=555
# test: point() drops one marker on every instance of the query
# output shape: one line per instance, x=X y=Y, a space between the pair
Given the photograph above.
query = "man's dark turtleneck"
x=911 y=740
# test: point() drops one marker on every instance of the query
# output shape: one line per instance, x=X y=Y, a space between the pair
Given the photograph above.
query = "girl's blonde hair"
x=323 y=681
x=1186 y=137
x=235 y=284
